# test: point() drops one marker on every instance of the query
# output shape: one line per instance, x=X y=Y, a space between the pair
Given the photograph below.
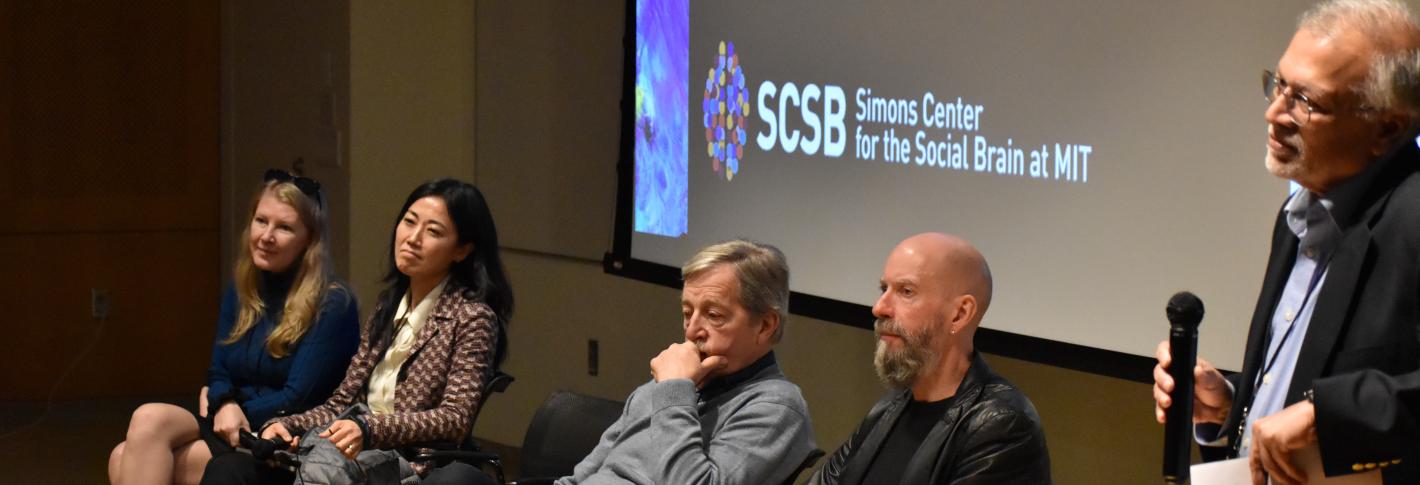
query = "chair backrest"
x=497 y=383
x=805 y=465
x=564 y=430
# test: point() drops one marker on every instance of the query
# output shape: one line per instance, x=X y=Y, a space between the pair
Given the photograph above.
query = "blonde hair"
x=762 y=271
x=311 y=279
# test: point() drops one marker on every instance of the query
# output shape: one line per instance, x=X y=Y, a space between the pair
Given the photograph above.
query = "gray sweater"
x=755 y=431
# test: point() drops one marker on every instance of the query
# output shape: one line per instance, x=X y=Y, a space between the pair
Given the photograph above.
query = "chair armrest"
x=533 y=481
x=471 y=457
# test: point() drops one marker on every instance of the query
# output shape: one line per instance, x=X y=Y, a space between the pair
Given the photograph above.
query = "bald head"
x=950 y=261
x=935 y=289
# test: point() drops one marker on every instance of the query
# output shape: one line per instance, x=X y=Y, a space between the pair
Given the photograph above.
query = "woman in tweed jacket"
x=435 y=336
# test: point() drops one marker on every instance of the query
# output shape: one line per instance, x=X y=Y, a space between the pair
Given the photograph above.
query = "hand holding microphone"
x=1212 y=398
x=1185 y=387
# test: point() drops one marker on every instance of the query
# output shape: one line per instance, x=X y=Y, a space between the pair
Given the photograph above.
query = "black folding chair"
x=804 y=465
x=497 y=384
x=565 y=429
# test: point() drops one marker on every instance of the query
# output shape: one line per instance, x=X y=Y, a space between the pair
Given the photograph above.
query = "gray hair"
x=1394 y=81
x=762 y=271
x=1394 y=84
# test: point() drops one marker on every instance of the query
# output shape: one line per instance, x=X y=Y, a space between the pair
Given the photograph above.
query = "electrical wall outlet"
x=98 y=303
x=592 y=357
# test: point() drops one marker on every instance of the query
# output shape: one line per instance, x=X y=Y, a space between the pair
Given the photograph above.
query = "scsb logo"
x=725 y=104
x=828 y=130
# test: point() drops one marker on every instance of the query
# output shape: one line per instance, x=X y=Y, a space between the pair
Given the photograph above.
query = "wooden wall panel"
x=108 y=115
x=162 y=317
x=109 y=178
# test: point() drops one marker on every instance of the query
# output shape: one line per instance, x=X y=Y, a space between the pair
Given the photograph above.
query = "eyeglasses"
x=308 y=186
x=1299 y=106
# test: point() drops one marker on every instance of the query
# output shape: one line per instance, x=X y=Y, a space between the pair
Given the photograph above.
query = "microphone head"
x=1185 y=309
x=263 y=449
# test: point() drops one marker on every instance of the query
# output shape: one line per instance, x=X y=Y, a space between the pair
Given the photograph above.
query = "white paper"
x=1226 y=472
x=1236 y=472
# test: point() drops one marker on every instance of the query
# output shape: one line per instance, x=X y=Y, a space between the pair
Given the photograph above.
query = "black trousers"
x=243 y=469
x=457 y=473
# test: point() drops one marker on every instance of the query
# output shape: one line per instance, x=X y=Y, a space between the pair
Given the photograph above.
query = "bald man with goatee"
x=947 y=417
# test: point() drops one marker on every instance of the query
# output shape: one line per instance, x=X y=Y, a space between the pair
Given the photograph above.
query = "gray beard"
x=1291 y=171
x=901 y=367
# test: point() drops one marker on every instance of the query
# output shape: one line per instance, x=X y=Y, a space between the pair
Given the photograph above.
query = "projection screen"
x=1102 y=154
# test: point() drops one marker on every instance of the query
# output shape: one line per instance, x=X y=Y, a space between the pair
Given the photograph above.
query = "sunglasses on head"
x=308 y=186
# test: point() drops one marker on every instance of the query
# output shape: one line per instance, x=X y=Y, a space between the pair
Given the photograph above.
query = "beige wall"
x=411 y=116
x=549 y=84
x=547 y=158
x=285 y=96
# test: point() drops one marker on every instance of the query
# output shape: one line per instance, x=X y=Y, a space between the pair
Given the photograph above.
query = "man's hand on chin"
x=1275 y=438
x=683 y=361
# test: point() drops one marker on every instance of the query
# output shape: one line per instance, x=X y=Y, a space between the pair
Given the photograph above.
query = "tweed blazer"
x=439 y=385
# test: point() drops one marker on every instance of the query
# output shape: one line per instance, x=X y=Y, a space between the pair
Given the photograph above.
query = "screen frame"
x=619 y=262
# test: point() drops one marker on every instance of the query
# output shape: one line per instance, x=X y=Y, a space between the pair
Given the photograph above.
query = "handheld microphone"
x=1185 y=312
x=271 y=451
x=260 y=448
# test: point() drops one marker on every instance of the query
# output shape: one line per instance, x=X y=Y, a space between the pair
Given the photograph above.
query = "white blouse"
x=407 y=322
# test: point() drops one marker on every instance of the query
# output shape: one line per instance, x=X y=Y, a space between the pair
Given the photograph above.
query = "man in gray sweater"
x=718 y=409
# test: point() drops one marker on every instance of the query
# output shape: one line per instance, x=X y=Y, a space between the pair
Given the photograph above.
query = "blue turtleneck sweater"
x=265 y=386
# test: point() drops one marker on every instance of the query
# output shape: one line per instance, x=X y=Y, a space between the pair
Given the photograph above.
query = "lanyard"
x=1311 y=288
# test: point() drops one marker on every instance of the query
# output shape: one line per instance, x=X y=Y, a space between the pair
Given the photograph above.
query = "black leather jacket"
x=990 y=435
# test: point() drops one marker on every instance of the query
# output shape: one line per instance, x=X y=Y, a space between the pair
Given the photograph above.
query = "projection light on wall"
x=660 y=127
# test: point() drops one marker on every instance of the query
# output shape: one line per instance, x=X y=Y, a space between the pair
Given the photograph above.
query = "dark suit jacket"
x=989 y=435
x=1361 y=352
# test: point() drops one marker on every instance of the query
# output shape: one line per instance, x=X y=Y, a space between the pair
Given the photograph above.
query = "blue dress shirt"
x=1309 y=217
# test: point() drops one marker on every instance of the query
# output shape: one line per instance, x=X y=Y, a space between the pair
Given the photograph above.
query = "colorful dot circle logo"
x=726 y=105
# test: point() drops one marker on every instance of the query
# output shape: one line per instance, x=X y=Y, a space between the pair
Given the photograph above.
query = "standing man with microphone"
x=1333 y=352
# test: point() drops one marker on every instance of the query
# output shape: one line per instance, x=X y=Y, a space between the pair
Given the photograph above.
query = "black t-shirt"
x=901 y=443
